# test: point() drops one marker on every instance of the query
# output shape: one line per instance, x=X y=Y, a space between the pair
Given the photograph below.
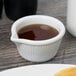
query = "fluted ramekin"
x=37 y=51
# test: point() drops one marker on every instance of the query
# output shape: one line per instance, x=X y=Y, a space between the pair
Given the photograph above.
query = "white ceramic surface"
x=36 y=70
x=71 y=17
x=37 y=51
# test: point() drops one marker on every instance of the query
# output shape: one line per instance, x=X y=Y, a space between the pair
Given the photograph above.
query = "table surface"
x=9 y=56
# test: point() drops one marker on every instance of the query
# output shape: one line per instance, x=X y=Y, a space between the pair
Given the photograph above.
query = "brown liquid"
x=37 y=32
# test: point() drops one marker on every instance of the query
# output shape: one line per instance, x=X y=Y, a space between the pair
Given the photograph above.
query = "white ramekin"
x=37 y=51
